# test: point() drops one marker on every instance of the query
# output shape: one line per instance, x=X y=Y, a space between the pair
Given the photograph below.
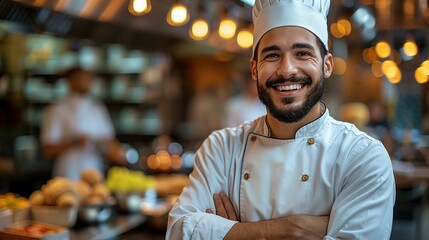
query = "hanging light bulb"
x=199 y=29
x=178 y=15
x=139 y=7
x=227 y=28
x=227 y=25
x=245 y=38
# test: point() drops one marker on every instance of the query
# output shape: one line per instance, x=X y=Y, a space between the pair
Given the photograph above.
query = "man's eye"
x=303 y=54
x=271 y=56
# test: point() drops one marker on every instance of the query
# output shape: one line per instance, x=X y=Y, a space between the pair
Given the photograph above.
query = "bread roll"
x=91 y=176
x=67 y=200
x=37 y=198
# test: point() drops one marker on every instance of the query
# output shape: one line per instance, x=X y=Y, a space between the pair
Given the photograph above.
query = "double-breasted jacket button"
x=246 y=176
x=253 y=139
x=305 y=177
x=310 y=141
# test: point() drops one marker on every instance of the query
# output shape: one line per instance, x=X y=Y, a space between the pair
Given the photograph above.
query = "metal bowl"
x=157 y=211
x=95 y=213
x=131 y=201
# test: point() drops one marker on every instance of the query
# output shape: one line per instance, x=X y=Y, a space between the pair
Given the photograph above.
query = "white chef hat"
x=308 y=14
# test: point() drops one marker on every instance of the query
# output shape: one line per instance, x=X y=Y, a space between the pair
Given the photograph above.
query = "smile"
x=289 y=87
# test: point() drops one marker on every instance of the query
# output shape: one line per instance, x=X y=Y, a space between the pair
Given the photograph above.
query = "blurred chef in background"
x=77 y=132
x=245 y=106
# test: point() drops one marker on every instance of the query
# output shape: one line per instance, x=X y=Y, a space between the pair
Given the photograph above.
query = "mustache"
x=294 y=79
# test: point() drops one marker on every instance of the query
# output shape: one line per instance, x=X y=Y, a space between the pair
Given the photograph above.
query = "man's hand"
x=115 y=152
x=289 y=227
x=53 y=150
x=81 y=140
x=224 y=207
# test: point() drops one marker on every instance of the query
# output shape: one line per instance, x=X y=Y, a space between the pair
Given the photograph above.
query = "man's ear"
x=329 y=65
x=253 y=70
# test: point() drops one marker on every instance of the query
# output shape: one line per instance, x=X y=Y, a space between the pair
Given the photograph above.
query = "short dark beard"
x=294 y=115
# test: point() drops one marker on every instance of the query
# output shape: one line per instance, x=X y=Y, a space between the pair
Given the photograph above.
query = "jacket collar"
x=310 y=129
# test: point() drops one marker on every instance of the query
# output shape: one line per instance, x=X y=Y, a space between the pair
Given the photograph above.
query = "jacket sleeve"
x=364 y=207
x=52 y=127
x=188 y=218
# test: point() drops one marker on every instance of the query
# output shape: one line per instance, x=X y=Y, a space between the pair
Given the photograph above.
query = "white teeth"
x=290 y=87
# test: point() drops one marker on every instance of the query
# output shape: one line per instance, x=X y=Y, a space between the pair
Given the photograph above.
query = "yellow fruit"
x=12 y=201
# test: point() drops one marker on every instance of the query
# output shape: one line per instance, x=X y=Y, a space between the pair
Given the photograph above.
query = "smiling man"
x=295 y=173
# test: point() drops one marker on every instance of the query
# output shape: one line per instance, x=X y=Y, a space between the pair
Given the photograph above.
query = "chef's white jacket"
x=69 y=118
x=330 y=168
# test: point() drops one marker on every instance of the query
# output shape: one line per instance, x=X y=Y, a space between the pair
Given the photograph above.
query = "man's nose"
x=287 y=67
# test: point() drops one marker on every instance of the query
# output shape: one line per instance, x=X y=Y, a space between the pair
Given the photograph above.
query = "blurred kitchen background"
x=167 y=84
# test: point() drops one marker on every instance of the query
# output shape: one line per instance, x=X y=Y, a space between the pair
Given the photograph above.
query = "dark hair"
x=323 y=50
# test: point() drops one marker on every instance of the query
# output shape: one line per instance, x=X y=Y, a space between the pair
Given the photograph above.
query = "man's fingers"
x=220 y=208
x=224 y=207
x=229 y=208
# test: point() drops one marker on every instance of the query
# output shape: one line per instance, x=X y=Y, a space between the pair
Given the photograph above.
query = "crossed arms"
x=362 y=209
x=291 y=227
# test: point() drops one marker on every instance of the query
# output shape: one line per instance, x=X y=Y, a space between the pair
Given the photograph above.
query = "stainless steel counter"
x=116 y=226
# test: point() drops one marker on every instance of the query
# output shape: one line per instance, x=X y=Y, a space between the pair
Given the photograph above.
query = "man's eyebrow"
x=294 y=46
x=302 y=45
x=270 y=48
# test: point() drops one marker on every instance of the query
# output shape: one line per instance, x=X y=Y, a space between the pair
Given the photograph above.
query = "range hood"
x=108 y=22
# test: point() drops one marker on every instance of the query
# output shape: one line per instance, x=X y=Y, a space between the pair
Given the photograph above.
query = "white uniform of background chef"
x=285 y=176
x=77 y=132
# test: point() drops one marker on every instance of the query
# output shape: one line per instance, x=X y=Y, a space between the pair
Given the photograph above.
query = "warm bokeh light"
x=227 y=28
x=340 y=66
x=397 y=78
x=382 y=49
x=153 y=162
x=386 y=65
x=409 y=7
x=199 y=29
x=245 y=38
x=337 y=31
x=410 y=48
x=178 y=15
x=345 y=25
x=369 y=55
x=176 y=162
x=383 y=4
x=164 y=160
x=423 y=69
x=376 y=69
x=425 y=64
x=139 y=7
x=421 y=75
x=391 y=71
